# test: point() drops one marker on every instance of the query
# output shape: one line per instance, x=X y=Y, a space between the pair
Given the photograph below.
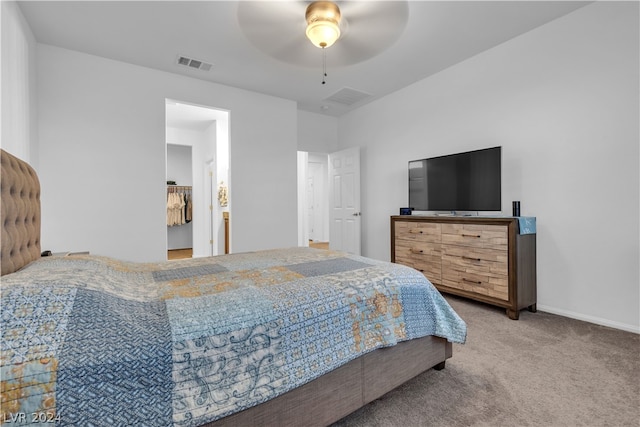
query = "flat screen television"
x=469 y=181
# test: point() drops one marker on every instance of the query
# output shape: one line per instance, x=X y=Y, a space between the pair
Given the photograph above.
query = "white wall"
x=179 y=163
x=19 y=131
x=563 y=102
x=317 y=132
x=102 y=157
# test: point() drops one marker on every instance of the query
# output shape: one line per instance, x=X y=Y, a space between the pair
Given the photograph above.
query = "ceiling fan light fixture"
x=323 y=19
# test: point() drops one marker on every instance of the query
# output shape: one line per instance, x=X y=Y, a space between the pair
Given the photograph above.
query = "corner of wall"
x=18 y=86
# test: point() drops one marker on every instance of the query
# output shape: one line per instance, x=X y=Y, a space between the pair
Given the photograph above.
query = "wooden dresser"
x=482 y=258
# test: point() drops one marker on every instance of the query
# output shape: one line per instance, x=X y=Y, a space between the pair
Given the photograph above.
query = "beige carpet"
x=541 y=370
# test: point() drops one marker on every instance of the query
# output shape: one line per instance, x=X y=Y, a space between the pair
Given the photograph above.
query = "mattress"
x=91 y=340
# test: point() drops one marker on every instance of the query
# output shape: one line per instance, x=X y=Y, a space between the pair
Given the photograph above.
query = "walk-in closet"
x=179 y=202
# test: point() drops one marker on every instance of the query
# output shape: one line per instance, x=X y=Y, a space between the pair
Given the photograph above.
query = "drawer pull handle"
x=477 y=282
x=471 y=259
x=415 y=231
x=471 y=235
x=417 y=251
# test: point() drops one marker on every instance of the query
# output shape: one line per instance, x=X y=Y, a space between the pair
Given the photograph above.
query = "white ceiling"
x=414 y=40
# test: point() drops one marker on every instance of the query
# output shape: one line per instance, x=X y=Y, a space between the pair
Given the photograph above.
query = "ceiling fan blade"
x=378 y=22
x=277 y=28
x=269 y=22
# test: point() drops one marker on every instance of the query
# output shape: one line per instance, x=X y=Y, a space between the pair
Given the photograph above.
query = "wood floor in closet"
x=179 y=253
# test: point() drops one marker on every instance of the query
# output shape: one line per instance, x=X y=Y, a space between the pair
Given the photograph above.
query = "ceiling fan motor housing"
x=323 y=19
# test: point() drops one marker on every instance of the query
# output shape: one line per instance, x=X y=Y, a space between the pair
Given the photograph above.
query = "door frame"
x=304 y=158
x=210 y=148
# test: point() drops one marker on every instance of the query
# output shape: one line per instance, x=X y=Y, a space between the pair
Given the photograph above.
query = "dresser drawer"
x=482 y=271
x=425 y=257
x=476 y=235
x=418 y=231
x=479 y=285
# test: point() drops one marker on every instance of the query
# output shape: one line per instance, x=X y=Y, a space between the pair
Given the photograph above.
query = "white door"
x=344 y=199
x=310 y=206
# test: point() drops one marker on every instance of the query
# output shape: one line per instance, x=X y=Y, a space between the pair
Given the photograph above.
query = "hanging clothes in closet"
x=179 y=207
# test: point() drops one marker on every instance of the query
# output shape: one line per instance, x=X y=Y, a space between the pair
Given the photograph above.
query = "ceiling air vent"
x=348 y=96
x=193 y=63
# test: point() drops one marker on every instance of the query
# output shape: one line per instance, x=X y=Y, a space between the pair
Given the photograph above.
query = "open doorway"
x=313 y=198
x=329 y=200
x=179 y=202
x=205 y=132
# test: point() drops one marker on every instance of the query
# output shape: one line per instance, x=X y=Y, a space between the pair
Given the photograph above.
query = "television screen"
x=468 y=181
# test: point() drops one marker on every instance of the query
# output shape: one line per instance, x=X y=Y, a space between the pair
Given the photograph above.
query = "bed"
x=293 y=336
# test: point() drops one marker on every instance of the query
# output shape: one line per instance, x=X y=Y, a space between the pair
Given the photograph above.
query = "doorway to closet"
x=179 y=201
x=197 y=165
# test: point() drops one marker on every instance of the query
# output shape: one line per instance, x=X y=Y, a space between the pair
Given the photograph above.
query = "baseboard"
x=590 y=319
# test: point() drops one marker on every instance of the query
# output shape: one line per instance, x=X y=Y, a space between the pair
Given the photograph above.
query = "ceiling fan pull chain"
x=324 y=65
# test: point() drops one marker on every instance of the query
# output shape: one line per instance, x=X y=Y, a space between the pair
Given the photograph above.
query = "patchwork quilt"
x=92 y=341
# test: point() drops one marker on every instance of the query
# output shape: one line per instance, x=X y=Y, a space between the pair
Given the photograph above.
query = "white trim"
x=590 y=319
x=303 y=218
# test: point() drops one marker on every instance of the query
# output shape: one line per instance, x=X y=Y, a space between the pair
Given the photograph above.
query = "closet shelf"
x=177 y=188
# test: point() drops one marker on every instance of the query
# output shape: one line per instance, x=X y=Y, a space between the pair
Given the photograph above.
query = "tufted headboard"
x=20 y=206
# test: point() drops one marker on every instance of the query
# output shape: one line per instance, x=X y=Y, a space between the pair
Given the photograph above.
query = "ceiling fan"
x=279 y=29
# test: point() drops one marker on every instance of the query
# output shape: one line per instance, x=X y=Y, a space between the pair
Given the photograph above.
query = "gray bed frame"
x=335 y=395
x=317 y=403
